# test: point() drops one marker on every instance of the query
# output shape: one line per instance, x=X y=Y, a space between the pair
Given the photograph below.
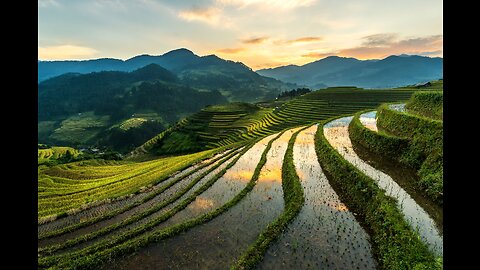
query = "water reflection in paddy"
x=168 y=193
x=369 y=120
x=336 y=132
x=219 y=242
x=398 y=107
x=325 y=234
x=163 y=197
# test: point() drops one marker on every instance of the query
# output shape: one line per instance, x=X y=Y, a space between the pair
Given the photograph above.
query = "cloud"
x=64 y=52
x=318 y=55
x=255 y=40
x=433 y=53
x=383 y=45
x=298 y=41
x=47 y=3
x=383 y=39
x=280 y=4
x=231 y=50
x=210 y=15
x=304 y=40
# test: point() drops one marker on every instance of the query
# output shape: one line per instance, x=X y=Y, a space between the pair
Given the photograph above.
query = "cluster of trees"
x=295 y=92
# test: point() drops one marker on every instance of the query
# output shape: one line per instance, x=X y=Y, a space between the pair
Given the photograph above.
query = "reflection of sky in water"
x=398 y=107
x=340 y=122
x=369 y=120
x=202 y=203
x=337 y=136
x=221 y=241
x=232 y=182
x=324 y=235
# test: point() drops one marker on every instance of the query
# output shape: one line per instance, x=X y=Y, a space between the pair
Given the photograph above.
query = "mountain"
x=393 y=71
x=115 y=108
x=172 y=60
x=234 y=80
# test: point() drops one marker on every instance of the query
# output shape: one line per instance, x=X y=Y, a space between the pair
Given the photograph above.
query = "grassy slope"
x=63 y=188
x=428 y=104
x=222 y=125
x=54 y=153
x=425 y=152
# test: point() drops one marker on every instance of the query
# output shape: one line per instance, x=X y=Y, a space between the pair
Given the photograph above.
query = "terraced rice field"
x=325 y=234
x=259 y=198
x=219 y=125
x=336 y=133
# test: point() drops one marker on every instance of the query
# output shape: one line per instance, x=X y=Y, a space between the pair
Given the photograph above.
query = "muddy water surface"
x=220 y=242
x=336 y=132
x=325 y=234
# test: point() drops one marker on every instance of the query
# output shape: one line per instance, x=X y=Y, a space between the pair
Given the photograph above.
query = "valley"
x=285 y=182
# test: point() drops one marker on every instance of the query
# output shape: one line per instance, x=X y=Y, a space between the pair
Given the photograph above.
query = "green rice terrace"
x=338 y=178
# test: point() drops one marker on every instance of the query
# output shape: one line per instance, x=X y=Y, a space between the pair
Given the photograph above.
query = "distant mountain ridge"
x=392 y=71
x=234 y=80
x=171 y=60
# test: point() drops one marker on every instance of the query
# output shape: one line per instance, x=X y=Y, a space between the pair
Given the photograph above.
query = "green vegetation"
x=71 y=187
x=294 y=199
x=79 y=129
x=428 y=104
x=82 y=110
x=60 y=190
x=147 y=198
x=131 y=123
x=56 y=154
x=380 y=143
x=205 y=129
x=111 y=245
x=147 y=212
x=425 y=152
x=395 y=244
x=222 y=125
x=294 y=93
x=432 y=85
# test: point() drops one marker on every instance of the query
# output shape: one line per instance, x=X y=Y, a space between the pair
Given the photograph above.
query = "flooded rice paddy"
x=398 y=107
x=336 y=132
x=165 y=209
x=99 y=210
x=220 y=242
x=369 y=120
x=325 y=234
x=404 y=176
x=160 y=198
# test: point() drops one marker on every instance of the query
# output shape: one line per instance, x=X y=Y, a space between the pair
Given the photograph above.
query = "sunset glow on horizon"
x=260 y=34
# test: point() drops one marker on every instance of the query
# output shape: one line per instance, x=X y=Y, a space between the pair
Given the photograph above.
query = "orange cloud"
x=317 y=55
x=305 y=40
x=231 y=50
x=255 y=40
x=298 y=41
x=380 y=47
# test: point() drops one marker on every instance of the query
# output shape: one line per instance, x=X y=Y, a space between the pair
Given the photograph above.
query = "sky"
x=259 y=33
